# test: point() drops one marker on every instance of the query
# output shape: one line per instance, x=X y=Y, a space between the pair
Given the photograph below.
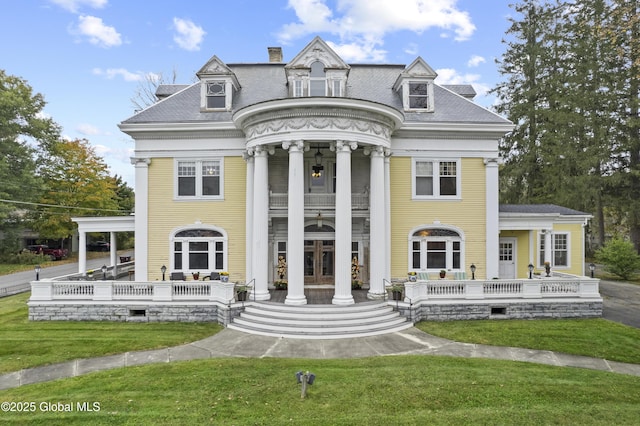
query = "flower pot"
x=224 y=278
x=396 y=294
x=443 y=274
x=242 y=296
x=413 y=278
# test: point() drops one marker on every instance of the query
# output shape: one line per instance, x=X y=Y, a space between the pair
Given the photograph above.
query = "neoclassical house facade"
x=321 y=173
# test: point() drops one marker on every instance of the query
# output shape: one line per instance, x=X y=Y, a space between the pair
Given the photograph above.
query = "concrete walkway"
x=231 y=343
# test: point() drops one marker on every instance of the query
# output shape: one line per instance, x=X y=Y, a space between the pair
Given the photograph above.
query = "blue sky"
x=88 y=57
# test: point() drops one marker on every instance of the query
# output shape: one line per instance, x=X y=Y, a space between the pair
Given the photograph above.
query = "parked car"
x=45 y=250
x=98 y=246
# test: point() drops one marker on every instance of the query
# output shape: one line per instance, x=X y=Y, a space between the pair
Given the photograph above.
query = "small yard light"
x=37 y=268
x=164 y=271
x=305 y=379
x=104 y=272
x=530 y=270
x=473 y=271
x=592 y=268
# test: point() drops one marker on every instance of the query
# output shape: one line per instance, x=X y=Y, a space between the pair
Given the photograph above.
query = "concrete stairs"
x=319 y=321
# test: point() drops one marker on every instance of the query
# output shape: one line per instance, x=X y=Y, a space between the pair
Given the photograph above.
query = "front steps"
x=319 y=321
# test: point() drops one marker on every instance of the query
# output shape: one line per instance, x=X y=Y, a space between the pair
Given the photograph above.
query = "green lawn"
x=30 y=343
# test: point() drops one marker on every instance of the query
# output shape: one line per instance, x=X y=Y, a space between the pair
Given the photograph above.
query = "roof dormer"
x=217 y=84
x=415 y=85
x=317 y=71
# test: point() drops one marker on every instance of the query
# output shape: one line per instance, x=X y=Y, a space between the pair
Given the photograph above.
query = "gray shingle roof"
x=540 y=209
x=265 y=82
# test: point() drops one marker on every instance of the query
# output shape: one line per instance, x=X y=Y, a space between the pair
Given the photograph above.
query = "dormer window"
x=415 y=86
x=418 y=95
x=318 y=80
x=216 y=95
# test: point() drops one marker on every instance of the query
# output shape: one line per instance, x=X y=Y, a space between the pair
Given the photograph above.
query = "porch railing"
x=359 y=201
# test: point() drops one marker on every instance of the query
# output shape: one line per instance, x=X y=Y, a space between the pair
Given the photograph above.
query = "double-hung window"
x=418 y=95
x=199 y=250
x=199 y=178
x=216 y=95
x=435 y=249
x=559 y=250
x=436 y=178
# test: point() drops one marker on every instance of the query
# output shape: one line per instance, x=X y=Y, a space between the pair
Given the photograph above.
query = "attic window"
x=318 y=80
x=216 y=95
x=418 y=95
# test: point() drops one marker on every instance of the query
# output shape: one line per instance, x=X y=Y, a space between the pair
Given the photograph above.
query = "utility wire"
x=62 y=207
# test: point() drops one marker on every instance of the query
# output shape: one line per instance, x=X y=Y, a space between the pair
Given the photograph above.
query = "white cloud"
x=364 y=23
x=475 y=60
x=73 y=5
x=411 y=49
x=451 y=76
x=111 y=73
x=188 y=35
x=98 y=33
x=87 y=129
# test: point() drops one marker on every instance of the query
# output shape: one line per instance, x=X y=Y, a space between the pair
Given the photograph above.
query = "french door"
x=319 y=261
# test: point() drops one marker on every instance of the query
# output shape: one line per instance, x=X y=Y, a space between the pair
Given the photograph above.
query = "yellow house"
x=321 y=173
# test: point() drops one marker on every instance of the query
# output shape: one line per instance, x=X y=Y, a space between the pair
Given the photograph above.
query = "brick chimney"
x=275 y=54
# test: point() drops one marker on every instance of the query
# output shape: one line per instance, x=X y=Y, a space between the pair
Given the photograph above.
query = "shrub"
x=619 y=257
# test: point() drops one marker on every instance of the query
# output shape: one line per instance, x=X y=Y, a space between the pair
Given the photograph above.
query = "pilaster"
x=142 y=218
x=492 y=207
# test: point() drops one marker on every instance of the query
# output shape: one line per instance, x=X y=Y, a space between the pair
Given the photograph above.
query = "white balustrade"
x=318 y=201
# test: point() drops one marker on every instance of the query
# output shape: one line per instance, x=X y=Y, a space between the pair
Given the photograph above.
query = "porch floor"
x=319 y=296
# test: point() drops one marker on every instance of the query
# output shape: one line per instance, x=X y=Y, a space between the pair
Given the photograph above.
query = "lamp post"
x=164 y=271
x=473 y=271
x=37 y=268
x=104 y=272
x=592 y=268
x=530 y=270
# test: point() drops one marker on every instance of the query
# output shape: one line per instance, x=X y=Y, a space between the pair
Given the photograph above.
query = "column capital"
x=294 y=146
x=247 y=155
x=137 y=161
x=492 y=162
x=375 y=149
x=343 y=146
x=266 y=149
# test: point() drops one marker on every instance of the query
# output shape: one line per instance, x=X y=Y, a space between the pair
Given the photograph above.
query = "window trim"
x=449 y=240
x=211 y=249
x=436 y=179
x=406 y=95
x=228 y=93
x=198 y=196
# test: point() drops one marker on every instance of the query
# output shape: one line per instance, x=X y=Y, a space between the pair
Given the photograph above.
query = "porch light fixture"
x=473 y=271
x=530 y=270
x=37 y=268
x=104 y=272
x=164 y=271
x=319 y=220
x=592 y=268
x=317 y=168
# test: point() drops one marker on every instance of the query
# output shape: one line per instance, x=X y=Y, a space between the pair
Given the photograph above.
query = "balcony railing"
x=359 y=201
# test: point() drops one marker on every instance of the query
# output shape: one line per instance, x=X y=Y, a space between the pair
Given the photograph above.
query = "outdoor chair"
x=423 y=276
x=215 y=276
x=178 y=276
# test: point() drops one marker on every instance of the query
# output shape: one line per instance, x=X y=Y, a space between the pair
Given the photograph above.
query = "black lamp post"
x=163 y=270
x=592 y=268
x=37 y=268
x=530 y=270
x=104 y=272
x=473 y=271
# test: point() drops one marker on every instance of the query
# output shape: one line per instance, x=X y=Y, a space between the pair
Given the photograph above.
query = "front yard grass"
x=31 y=343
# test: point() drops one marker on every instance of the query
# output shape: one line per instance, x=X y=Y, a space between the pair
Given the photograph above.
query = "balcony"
x=278 y=201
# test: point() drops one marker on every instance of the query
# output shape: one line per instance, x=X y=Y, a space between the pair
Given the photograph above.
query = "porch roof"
x=538 y=216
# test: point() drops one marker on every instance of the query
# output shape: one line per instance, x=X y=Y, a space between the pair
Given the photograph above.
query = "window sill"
x=435 y=198
x=216 y=198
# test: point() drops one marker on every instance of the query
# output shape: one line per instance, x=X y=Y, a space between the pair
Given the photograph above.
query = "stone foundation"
x=507 y=310
x=134 y=313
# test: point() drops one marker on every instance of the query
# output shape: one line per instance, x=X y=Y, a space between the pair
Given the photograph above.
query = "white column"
x=248 y=156
x=82 y=252
x=547 y=245
x=343 y=294
x=377 y=231
x=113 y=246
x=260 y=249
x=387 y=212
x=142 y=218
x=295 y=229
x=493 y=219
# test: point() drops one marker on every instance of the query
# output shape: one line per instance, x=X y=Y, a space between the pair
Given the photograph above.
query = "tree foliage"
x=571 y=88
x=619 y=257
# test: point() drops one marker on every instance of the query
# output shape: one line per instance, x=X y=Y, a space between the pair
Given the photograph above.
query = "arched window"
x=199 y=250
x=318 y=80
x=435 y=248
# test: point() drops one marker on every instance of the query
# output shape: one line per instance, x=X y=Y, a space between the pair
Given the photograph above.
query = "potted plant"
x=356 y=284
x=413 y=277
x=396 y=291
x=196 y=275
x=280 y=285
x=241 y=292
x=224 y=277
x=547 y=268
x=443 y=273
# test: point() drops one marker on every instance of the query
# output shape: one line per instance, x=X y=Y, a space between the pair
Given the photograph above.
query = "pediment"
x=419 y=68
x=317 y=50
x=216 y=68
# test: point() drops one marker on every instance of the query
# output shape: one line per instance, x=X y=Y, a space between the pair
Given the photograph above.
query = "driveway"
x=621 y=302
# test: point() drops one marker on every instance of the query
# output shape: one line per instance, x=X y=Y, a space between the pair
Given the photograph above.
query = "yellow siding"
x=467 y=214
x=576 y=247
x=165 y=214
